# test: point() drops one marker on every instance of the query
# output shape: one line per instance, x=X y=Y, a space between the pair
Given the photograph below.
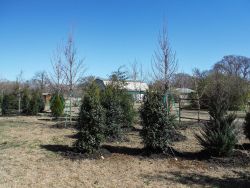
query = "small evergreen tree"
x=56 y=105
x=1 y=101
x=247 y=125
x=114 y=114
x=157 y=124
x=91 y=121
x=41 y=103
x=127 y=106
x=33 y=104
x=218 y=136
x=9 y=103
x=118 y=105
x=25 y=102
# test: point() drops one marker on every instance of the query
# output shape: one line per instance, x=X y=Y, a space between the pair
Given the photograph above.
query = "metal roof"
x=131 y=85
x=184 y=90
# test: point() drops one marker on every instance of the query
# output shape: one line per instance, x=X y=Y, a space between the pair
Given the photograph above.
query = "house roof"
x=131 y=85
x=184 y=90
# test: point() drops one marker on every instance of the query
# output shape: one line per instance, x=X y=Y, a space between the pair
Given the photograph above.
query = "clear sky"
x=110 y=33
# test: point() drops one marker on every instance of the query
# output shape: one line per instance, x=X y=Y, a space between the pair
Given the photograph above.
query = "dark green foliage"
x=193 y=100
x=1 y=100
x=9 y=104
x=41 y=103
x=218 y=136
x=118 y=104
x=158 y=126
x=128 y=113
x=33 y=104
x=114 y=114
x=91 y=121
x=25 y=101
x=57 y=105
x=247 y=125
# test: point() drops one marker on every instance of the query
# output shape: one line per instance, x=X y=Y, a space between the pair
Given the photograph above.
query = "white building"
x=136 y=88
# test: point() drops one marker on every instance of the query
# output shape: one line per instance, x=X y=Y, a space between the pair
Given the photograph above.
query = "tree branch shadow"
x=242 y=180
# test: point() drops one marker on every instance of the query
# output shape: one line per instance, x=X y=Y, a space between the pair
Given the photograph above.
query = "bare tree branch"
x=164 y=62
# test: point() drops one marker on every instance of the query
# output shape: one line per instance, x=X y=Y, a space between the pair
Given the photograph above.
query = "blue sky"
x=111 y=33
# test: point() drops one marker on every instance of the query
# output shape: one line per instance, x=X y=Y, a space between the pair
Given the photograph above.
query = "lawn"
x=35 y=152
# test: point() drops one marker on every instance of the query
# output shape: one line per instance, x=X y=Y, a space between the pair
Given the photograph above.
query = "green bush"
x=247 y=125
x=157 y=125
x=25 y=102
x=33 y=104
x=41 y=103
x=91 y=121
x=1 y=101
x=57 y=105
x=9 y=103
x=218 y=136
x=127 y=106
x=118 y=104
x=113 y=113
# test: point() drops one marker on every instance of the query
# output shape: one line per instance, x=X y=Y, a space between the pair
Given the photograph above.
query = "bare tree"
x=134 y=71
x=136 y=74
x=238 y=66
x=164 y=63
x=57 y=77
x=41 y=80
x=182 y=80
x=74 y=69
x=19 y=80
x=200 y=86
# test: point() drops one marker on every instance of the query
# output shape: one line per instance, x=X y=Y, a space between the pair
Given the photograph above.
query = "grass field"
x=32 y=154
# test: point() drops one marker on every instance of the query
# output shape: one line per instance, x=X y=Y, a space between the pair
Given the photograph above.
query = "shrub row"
x=31 y=102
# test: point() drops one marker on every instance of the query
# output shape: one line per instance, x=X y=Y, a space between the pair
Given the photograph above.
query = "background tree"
x=200 y=83
x=85 y=83
x=237 y=71
x=182 y=80
x=40 y=79
x=237 y=66
x=136 y=74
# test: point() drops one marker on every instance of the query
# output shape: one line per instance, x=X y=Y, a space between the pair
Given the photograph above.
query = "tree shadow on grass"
x=242 y=180
x=149 y=153
x=74 y=154
x=63 y=125
x=125 y=150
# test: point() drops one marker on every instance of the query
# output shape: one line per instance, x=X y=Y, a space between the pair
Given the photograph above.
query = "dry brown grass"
x=24 y=162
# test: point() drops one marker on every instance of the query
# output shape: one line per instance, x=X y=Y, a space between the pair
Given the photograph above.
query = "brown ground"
x=28 y=158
